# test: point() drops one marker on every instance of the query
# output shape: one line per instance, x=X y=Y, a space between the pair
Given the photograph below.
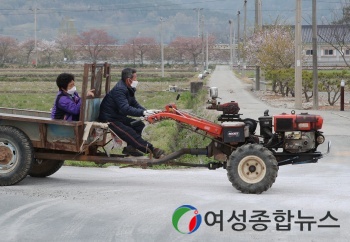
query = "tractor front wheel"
x=252 y=169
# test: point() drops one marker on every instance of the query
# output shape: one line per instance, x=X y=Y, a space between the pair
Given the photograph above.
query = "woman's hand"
x=90 y=93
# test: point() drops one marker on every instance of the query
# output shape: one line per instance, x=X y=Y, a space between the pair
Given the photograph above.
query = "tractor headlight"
x=320 y=139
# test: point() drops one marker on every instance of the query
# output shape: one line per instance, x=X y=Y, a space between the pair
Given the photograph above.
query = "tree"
x=330 y=83
x=142 y=46
x=65 y=43
x=154 y=54
x=283 y=79
x=341 y=15
x=190 y=47
x=48 y=49
x=7 y=46
x=286 y=81
x=169 y=54
x=307 y=85
x=271 y=48
x=94 y=42
x=126 y=53
x=273 y=76
x=337 y=33
x=177 y=50
x=27 y=47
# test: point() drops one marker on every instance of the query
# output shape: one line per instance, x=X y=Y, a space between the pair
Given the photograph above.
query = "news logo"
x=186 y=219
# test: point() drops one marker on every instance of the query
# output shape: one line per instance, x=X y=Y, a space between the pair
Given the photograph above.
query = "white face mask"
x=72 y=90
x=134 y=84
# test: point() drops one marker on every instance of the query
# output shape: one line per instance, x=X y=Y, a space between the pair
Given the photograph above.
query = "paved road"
x=112 y=204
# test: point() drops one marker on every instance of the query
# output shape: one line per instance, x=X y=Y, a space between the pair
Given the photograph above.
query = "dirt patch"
x=278 y=101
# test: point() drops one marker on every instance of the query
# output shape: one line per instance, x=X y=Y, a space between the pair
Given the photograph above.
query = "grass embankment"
x=36 y=89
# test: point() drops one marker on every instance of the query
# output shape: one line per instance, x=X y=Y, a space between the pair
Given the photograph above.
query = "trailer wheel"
x=252 y=169
x=44 y=168
x=16 y=155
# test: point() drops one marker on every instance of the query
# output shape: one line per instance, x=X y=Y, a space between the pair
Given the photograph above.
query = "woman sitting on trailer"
x=67 y=103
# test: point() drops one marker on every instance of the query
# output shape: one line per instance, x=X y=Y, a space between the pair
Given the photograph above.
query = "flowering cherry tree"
x=27 y=47
x=65 y=43
x=271 y=48
x=47 y=49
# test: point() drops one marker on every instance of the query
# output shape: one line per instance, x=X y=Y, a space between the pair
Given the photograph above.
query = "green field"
x=36 y=88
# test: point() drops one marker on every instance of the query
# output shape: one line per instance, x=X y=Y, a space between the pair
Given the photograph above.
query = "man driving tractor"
x=117 y=106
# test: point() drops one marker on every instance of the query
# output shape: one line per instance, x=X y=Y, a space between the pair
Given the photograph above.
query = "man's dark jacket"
x=119 y=103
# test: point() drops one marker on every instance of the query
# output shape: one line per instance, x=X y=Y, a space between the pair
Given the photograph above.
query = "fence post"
x=342 y=84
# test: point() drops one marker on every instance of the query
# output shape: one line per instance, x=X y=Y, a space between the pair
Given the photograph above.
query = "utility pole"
x=238 y=36
x=231 y=55
x=207 y=54
x=298 y=64
x=244 y=34
x=245 y=22
x=198 y=19
x=233 y=44
x=133 y=51
x=35 y=31
x=314 y=56
x=258 y=17
x=258 y=26
x=161 y=45
x=203 y=57
x=35 y=40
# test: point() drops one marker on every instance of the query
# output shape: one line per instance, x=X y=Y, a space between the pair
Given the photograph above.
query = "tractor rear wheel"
x=16 y=155
x=252 y=169
x=44 y=168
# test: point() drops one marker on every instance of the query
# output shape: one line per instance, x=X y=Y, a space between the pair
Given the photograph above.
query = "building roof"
x=326 y=33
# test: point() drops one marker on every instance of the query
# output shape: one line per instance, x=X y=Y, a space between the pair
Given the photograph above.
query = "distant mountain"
x=126 y=19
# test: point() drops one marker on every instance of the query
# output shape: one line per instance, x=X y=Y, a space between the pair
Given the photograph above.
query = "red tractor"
x=251 y=159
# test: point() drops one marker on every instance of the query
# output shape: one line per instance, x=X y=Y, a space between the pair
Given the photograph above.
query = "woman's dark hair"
x=63 y=80
x=127 y=73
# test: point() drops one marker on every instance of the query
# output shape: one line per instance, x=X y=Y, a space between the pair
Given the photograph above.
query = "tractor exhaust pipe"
x=177 y=154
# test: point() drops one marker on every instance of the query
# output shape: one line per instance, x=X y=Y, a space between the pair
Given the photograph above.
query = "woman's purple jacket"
x=66 y=107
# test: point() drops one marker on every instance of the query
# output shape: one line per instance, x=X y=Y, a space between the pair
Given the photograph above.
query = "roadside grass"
x=172 y=136
x=85 y=164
